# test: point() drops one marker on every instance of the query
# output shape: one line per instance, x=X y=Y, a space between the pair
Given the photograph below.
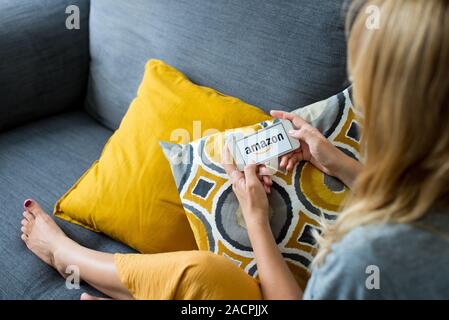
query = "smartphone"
x=264 y=146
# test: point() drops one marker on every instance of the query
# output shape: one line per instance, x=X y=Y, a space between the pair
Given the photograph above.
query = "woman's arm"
x=345 y=168
x=277 y=282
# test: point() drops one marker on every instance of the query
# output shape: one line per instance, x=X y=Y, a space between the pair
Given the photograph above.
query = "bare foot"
x=42 y=235
x=86 y=296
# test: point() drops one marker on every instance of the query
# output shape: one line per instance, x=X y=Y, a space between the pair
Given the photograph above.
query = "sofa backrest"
x=43 y=65
x=279 y=54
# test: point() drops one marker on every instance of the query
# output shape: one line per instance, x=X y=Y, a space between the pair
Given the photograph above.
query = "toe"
x=24 y=222
x=24 y=230
x=24 y=237
x=86 y=296
x=33 y=207
x=28 y=216
x=27 y=203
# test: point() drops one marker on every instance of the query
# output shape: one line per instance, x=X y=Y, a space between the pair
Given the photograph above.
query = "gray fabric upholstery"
x=270 y=53
x=274 y=54
x=43 y=65
x=42 y=161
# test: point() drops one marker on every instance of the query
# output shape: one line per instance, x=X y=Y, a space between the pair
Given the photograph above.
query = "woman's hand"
x=316 y=149
x=249 y=189
x=277 y=281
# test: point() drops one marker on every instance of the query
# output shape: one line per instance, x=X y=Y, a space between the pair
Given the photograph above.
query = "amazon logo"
x=265 y=145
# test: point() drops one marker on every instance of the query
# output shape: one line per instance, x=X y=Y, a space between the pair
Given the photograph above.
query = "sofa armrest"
x=43 y=65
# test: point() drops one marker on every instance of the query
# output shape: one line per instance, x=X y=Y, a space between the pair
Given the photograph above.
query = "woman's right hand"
x=316 y=149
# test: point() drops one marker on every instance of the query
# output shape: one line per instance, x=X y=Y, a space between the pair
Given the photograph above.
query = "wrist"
x=335 y=163
x=257 y=230
x=258 y=221
x=346 y=169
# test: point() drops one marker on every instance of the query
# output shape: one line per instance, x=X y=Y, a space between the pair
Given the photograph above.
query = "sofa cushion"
x=273 y=54
x=41 y=161
x=129 y=193
x=43 y=65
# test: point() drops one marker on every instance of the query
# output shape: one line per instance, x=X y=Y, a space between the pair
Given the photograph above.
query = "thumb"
x=251 y=173
x=300 y=134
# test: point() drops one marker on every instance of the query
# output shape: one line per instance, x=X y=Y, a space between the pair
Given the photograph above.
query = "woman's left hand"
x=248 y=188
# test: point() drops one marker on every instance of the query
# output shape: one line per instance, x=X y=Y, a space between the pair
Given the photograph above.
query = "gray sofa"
x=63 y=92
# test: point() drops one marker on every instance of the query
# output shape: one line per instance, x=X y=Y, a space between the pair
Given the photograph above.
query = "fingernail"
x=27 y=203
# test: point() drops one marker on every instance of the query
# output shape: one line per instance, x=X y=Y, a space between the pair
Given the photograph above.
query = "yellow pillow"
x=129 y=193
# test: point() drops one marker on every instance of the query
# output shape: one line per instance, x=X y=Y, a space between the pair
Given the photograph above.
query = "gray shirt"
x=392 y=261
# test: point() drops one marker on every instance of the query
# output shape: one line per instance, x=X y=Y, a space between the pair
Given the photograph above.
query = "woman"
x=392 y=238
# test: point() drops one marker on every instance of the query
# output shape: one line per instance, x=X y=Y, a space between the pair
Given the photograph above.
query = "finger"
x=300 y=154
x=267 y=181
x=268 y=169
x=279 y=114
x=236 y=176
x=304 y=152
x=297 y=121
x=302 y=134
x=227 y=161
x=229 y=167
x=267 y=189
x=284 y=160
x=297 y=134
x=292 y=162
x=261 y=179
x=297 y=157
x=251 y=173
x=264 y=171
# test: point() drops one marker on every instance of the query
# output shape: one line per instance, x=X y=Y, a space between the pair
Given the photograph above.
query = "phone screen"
x=265 y=144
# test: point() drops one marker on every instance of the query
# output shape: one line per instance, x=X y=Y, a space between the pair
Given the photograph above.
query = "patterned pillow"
x=298 y=201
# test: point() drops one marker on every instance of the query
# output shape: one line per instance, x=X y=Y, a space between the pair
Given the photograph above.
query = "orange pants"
x=186 y=275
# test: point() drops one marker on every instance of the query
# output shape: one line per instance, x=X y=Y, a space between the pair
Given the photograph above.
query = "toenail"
x=28 y=203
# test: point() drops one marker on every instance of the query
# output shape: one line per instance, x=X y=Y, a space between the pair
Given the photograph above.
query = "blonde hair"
x=400 y=75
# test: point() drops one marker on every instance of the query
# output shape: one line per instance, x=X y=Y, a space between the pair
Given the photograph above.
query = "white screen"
x=264 y=145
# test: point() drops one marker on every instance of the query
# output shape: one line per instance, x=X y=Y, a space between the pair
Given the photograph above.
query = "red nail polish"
x=28 y=203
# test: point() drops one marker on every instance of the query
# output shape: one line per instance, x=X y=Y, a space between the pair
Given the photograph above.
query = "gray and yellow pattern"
x=298 y=202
